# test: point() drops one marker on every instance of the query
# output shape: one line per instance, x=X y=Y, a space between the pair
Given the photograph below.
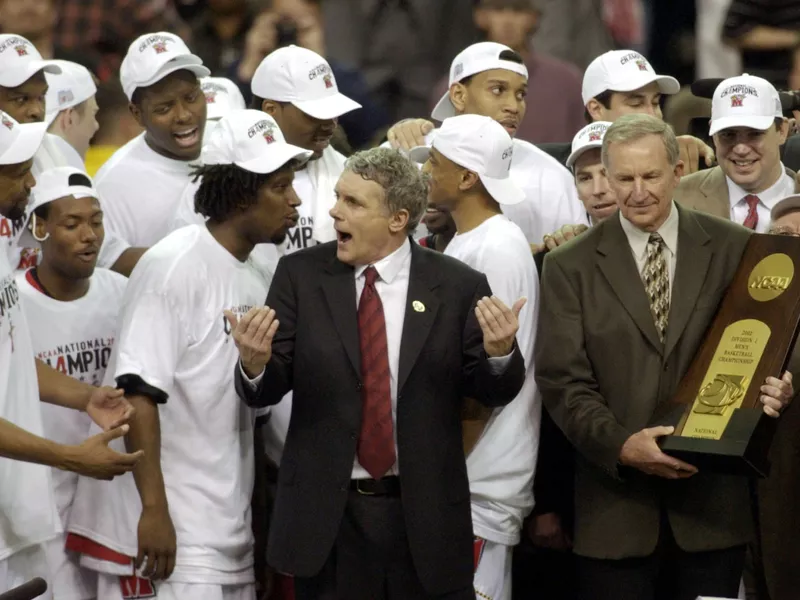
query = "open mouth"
x=744 y=164
x=87 y=255
x=343 y=237
x=188 y=137
x=510 y=126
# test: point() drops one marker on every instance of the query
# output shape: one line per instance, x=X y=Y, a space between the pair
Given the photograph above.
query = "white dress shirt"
x=766 y=200
x=638 y=241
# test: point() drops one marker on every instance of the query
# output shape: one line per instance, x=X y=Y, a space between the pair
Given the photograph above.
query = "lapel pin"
x=418 y=306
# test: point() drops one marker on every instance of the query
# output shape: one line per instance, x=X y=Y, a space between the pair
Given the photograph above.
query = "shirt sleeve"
x=152 y=338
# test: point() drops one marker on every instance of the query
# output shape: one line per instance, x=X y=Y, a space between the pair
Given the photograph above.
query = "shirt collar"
x=389 y=267
x=769 y=197
x=638 y=238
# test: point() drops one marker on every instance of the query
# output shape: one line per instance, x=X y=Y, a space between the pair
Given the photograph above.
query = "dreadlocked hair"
x=225 y=190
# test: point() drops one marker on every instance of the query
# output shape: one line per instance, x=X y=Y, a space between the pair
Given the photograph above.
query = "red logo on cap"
x=160 y=47
x=594 y=137
x=269 y=135
x=8 y=124
x=642 y=64
x=211 y=97
x=328 y=81
x=21 y=50
x=737 y=100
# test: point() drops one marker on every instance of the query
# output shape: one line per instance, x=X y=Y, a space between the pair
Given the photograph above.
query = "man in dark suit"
x=624 y=309
x=379 y=339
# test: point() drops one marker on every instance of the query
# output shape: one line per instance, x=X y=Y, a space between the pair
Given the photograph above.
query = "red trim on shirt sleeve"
x=32 y=280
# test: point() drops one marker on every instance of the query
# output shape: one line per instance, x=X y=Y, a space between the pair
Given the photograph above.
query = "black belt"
x=386 y=486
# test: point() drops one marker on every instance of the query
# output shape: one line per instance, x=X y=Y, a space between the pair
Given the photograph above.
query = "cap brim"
x=444 y=109
x=788 y=204
x=274 y=158
x=184 y=62
x=420 y=154
x=579 y=152
x=26 y=145
x=504 y=191
x=759 y=123
x=16 y=77
x=330 y=107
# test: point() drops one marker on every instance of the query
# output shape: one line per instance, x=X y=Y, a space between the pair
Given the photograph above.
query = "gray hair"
x=405 y=186
x=631 y=128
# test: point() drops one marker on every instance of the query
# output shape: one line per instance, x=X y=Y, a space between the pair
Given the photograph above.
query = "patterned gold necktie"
x=656 y=283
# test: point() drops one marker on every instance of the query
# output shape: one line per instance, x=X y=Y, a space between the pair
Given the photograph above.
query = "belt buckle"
x=360 y=491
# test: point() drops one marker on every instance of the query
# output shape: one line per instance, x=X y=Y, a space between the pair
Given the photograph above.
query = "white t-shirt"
x=551 y=198
x=175 y=337
x=140 y=190
x=28 y=512
x=502 y=463
x=75 y=338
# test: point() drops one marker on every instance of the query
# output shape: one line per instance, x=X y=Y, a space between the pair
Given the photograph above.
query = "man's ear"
x=270 y=107
x=136 y=111
x=458 y=96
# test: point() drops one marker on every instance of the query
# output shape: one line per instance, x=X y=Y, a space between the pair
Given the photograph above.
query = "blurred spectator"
x=218 y=33
x=299 y=22
x=714 y=58
x=117 y=125
x=107 y=27
x=36 y=20
x=555 y=110
x=767 y=32
x=573 y=30
x=401 y=47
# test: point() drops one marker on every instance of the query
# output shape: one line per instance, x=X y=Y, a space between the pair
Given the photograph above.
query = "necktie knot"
x=752 y=201
x=656 y=240
x=370 y=276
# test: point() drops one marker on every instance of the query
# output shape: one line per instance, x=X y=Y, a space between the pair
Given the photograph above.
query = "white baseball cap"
x=19 y=142
x=252 y=140
x=481 y=145
x=222 y=96
x=20 y=60
x=68 y=89
x=477 y=58
x=51 y=185
x=784 y=206
x=153 y=56
x=587 y=138
x=623 y=71
x=304 y=78
x=744 y=101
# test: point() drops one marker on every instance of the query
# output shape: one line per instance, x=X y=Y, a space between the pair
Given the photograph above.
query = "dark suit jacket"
x=604 y=375
x=315 y=353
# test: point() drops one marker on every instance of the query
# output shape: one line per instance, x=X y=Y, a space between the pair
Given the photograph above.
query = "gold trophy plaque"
x=718 y=417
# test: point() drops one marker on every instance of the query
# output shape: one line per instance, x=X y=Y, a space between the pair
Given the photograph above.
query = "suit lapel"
x=715 y=188
x=422 y=282
x=691 y=267
x=619 y=268
x=340 y=292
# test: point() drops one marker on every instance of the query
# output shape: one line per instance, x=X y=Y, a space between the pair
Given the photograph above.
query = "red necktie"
x=751 y=221
x=376 y=441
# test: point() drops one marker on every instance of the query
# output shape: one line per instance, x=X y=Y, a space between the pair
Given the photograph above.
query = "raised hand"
x=93 y=458
x=499 y=324
x=776 y=394
x=253 y=337
x=409 y=134
x=109 y=408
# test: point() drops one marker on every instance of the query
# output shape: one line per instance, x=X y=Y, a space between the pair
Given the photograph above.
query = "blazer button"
x=359 y=386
